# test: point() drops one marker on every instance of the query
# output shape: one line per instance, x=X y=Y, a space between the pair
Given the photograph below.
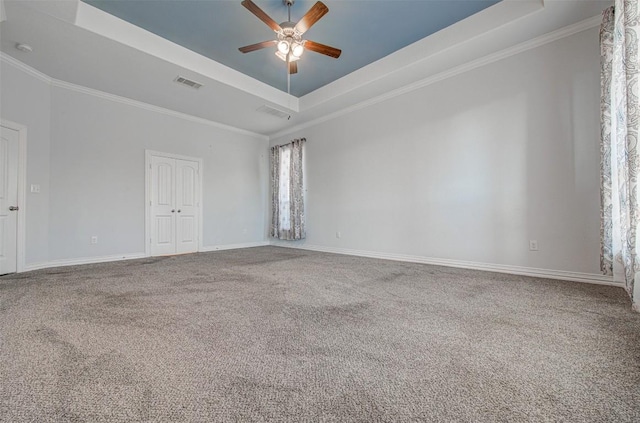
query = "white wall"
x=88 y=153
x=470 y=168
x=467 y=169
x=98 y=175
x=26 y=99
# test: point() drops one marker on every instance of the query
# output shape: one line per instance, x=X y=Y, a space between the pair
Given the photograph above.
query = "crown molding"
x=9 y=60
x=490 y=20
x=119 y=99
x=111 y=27
x=474 y=64
x=152 y=108
x=455 y=71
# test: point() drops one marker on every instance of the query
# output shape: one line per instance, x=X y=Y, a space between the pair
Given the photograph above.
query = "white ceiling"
x=76 y=43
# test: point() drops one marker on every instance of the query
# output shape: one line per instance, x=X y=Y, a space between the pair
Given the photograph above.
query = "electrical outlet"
x=338 y=235
x=94 y=239
x=533 y=245
x=35 y=188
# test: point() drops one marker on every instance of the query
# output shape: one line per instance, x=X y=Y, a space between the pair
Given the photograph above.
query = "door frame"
x=22 y=189
x=147 y=195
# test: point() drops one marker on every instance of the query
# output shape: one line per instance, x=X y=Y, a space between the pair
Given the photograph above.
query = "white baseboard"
x=83 y=260
x=499 y=268
x=234 y=246
x=117 y=257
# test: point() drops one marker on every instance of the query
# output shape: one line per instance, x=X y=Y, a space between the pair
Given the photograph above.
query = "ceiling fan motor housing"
x=288 y=30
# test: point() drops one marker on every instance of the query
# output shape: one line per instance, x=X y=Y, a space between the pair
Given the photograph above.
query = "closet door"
x=163 y=211
x=174 y=205
x=186 y=206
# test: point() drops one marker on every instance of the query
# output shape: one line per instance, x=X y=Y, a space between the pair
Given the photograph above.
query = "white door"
x=186 y=206
x=174 y=206
x=9 y=148
x=163 y=212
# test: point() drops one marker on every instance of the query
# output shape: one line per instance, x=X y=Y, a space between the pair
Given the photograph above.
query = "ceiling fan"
x=289 y=42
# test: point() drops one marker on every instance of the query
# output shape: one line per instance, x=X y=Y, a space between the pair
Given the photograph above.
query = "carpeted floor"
x=273 y=334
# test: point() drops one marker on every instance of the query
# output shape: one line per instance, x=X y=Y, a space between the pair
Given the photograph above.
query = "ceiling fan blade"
x=322 y=49
x=293 y=67
x=313 y=15
x=257 y=46
x=260 y=14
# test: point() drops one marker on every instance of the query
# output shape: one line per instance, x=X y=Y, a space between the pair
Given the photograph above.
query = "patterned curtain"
x=620 y=163
x=287 y=191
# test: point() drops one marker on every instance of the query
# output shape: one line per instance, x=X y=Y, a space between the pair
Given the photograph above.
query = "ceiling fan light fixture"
x=287 y=57
x=297 y=49
x=283 y=46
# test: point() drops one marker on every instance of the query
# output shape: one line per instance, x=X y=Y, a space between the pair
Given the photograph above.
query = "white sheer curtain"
x=287 y=191
x=620 y=165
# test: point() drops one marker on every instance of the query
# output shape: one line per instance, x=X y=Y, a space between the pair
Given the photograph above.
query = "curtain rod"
x=290 y=142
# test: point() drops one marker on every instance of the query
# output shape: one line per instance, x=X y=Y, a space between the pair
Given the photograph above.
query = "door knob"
x=179 y=210
x=13 y=208
x=173 y=210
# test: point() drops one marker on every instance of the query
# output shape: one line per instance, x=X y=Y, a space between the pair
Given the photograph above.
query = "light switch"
x=35 y=188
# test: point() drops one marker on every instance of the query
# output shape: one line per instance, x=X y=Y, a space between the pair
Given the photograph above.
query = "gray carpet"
x=273 y=334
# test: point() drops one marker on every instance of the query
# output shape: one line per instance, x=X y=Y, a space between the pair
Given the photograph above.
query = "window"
x=287 y=192
x=285 y=185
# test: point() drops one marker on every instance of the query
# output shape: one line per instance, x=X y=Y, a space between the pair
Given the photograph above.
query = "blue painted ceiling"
x=365 y=31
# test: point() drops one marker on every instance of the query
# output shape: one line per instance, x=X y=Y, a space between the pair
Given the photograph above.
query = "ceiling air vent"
x=189 y=83
x=274 y=112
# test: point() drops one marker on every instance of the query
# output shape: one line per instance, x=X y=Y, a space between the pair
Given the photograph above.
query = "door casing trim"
x=148 y=154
